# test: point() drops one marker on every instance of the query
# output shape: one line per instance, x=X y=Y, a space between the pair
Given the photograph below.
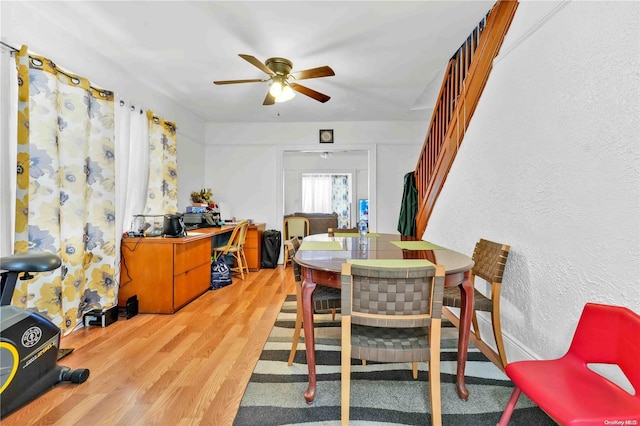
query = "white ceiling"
x=384 y=54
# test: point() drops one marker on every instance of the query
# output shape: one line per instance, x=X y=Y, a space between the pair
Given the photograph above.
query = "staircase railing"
x=464 y=80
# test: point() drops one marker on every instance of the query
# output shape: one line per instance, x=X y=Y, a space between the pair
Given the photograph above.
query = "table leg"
x=466 y=314
x=308 y=287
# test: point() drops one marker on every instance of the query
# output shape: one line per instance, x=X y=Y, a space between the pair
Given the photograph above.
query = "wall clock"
x=326 y=136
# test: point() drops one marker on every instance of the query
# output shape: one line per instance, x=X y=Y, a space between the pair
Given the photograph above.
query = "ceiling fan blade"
x=255 y=80
x=256 y=63
x=269 y=99
x=324 y=71
x=310 y=92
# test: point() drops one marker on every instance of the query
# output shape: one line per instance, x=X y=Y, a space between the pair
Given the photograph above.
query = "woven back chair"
x=324 y=299
x=392 y=315
x=489 y=262
x=290 y=247
x=292 y=227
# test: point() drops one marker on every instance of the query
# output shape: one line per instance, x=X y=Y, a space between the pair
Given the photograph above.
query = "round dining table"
x=321 y=257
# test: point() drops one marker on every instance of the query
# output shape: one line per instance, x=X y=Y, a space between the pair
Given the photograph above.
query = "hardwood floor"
x=188 y=368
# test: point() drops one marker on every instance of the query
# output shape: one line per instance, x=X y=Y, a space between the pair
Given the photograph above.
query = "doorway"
x=358 y=162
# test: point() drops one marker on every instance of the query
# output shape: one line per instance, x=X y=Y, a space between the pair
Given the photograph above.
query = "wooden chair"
x=291 y=247
x=569 y=390
x=324 y=299
x=389 y=328
x=293 y=226
x=490 y=259
x=235 y=247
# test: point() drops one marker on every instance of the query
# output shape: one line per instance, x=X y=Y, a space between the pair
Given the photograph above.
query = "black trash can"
x=271 y=242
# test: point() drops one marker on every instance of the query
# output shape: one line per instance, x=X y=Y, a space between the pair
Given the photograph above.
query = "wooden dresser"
x=166 y=273
x=253 y=245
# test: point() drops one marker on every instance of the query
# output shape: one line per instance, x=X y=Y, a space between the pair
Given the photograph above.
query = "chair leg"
x=286 y=259
x=414 y=370
x=345 y=371
x=511 y=405
x=434 y=373
x=238 y=258
x=296 y=331
x=476 y=329
x=333 y=314
x=474 y=318
x=240 y=267
x=244 y=260
x=497 y=334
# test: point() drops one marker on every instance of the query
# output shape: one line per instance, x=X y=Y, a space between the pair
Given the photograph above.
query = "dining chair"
x=294 y=226
x=573 y=389
x=235 y=247
x=290 y=247
x=489 y=260
x=324 y=299
x=392 y=315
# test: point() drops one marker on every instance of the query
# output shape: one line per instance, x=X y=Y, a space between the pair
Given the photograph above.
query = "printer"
x=202 y=220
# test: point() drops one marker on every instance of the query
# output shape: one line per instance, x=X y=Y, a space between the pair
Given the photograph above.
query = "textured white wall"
x=244 y=178
x=551 y=166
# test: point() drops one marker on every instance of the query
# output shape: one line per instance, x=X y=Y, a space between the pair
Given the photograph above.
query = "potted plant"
x=202 y=197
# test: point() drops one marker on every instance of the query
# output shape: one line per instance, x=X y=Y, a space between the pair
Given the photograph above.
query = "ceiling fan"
x=282 y=80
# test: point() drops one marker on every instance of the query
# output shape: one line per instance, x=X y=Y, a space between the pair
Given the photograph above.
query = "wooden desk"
x=166 y=273
x=323 y=267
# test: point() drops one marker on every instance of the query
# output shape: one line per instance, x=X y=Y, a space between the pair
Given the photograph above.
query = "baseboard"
x=515 y=350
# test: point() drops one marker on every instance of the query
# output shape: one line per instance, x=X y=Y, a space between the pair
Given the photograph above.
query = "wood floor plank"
x=189 y=368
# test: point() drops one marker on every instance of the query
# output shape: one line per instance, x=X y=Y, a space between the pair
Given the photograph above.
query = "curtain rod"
x=13 y=49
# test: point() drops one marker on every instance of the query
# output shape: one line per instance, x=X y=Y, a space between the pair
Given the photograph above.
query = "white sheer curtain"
x=132 y=167
x=316 y=193
x=8 y=148
x=132 y=156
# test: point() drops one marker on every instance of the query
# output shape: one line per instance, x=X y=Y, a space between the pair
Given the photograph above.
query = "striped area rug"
x=381 y=394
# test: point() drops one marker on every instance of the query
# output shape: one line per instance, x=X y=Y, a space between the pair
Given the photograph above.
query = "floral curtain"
x=341 y=199
x=65 y=190
x=162 y=195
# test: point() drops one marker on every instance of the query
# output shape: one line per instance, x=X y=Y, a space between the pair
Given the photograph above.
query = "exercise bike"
x=29 y=342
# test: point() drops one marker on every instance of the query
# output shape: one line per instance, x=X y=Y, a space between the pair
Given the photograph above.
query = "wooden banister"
x=463 y=83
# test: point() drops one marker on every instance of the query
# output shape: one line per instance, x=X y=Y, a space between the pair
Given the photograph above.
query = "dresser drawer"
x=252 y=240
x=190 y=255
x=190 y=285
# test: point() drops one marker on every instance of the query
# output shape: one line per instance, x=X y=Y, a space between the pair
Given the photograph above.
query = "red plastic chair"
x=568 y=390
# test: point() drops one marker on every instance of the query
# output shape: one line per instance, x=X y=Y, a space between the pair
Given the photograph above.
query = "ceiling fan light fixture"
x=286 y=94
x=276 y=89
x=279 y=72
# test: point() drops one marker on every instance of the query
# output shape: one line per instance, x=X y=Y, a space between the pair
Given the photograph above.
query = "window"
x=328 y=193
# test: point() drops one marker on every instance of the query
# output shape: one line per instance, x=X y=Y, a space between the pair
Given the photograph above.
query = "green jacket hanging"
x=409 y=207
